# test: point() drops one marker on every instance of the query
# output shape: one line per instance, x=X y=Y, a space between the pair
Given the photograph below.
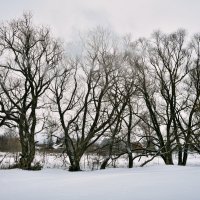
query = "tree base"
x=74 y=168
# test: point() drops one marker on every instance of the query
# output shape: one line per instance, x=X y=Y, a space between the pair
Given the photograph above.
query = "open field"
x=155 y=181
x=147 y=183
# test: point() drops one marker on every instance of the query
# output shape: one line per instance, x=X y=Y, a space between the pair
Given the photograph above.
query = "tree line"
x=143 y=92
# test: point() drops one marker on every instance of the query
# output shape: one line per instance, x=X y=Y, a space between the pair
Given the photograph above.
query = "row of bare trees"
x=142 y=96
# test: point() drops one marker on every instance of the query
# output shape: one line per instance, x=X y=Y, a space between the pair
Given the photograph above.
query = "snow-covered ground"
x=147 y=183
x=88 y=162
x=152 y=182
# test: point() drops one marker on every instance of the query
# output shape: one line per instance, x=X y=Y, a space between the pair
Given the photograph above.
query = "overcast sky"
x=138 y=17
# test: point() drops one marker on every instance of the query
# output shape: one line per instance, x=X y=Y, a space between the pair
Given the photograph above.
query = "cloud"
x=66 y=17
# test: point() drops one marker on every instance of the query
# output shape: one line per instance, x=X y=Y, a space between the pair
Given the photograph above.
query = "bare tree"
x=87 y=114
x=162 y=66
x=123 y=89
x=188 y=114
x=29 y=57
x=175 y=58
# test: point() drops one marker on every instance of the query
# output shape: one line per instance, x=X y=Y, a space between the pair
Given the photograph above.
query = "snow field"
x=147 y=183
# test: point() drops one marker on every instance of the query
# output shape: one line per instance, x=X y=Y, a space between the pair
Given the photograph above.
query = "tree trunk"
x=27 y=154
x=74 y=167
x=168 y=159
x=130 y=160
x=180 y=156
x=75 y=162
x=185 y=155
x=105 y=163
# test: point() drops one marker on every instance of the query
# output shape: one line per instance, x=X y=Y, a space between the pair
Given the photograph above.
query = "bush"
x=9 y=143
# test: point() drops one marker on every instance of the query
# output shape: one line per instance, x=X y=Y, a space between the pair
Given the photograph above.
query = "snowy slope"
x=148 y=183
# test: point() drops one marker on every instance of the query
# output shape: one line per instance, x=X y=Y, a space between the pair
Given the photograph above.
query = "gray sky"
x=138 y=17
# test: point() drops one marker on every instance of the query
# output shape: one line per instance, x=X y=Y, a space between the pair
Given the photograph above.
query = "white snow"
x=147 y=183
